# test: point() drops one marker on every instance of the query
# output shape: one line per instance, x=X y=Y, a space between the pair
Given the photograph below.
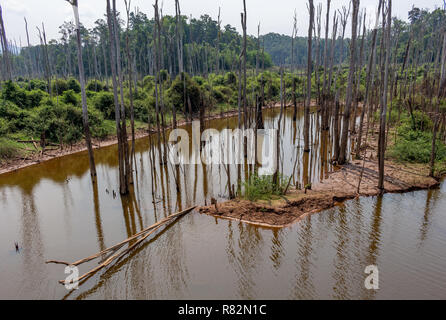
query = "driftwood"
x=144 y=234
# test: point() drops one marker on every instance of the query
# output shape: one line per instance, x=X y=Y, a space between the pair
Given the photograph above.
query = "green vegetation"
x=414 y=141
x=28 y=111
x=263 y=188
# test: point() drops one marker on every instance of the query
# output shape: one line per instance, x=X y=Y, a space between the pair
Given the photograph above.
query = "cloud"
x=14 y=6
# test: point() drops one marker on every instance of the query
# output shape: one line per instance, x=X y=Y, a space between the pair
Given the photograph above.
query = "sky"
x=274 y=16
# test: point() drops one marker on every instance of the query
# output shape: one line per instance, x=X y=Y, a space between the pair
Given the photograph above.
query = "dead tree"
x=80 y=63
x=217 y=62
x=123 y=186
x=324 y=88
x=317 y=35
x=348 y=103
x=369 y=79
x=5 y=49
x=293 y=36
x=47 y=71
x=382 y=127
x=336 y=149
x=130 y=74
x=245 y=111
x=30 y=60
x=441 y=86
x=309 y=62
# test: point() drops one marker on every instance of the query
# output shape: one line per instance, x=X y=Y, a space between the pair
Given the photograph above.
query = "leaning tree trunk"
x=83 y=92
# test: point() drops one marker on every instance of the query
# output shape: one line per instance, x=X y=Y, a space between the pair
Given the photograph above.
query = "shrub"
x=4 y=126
x=104 y=102
x=99 y=127
x=418 y=121
x=148 y=82
x=12 y=92
x=74 y=85
x=218 y=95
x=230 y=78
x=59 y=86
x=141 y=108
x=69 y=97
x=415 y=146
x=37 y=84
x=18 y=119
x=8 y=149
x=193 y=92
x=263 y=187
x=95 y=85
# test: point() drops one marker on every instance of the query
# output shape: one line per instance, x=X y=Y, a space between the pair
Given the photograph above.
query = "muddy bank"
x=340 y=185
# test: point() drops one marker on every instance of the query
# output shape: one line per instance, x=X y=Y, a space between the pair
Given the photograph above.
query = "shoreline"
x=296 y=205
x=12 y=165
x=339 y=186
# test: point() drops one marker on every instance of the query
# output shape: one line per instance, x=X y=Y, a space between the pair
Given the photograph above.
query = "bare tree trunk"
x=324 y=103
x=178 y=31
x=121 y=89
x=309 y=63
x=345 y=127
x=217 y=62
x=294 y=34
x=276 y=176
x=5 y=47
x=382 y=128
x=83 y=92
x=47 y=71
x=370 y=77
x=358 y=77
x=111 y=21
x=317 y=35
x=130 y=74
x=441 y=86
x=30 y=62
x=245 y=111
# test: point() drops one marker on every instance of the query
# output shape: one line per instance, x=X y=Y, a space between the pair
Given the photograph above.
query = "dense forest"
x=201 y=39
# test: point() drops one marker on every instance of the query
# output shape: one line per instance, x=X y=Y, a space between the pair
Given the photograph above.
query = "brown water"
x=54 y=212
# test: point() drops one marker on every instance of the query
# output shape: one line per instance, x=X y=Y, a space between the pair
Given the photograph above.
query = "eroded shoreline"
x=339 y=187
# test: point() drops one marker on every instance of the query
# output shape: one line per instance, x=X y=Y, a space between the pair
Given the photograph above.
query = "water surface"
x=54 y=212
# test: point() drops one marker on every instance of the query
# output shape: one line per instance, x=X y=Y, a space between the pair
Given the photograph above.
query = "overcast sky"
x=274 y=16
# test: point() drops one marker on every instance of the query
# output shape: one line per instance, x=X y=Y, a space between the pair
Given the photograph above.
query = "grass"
x=414 y=143
x=263 y=187
x=9 y=149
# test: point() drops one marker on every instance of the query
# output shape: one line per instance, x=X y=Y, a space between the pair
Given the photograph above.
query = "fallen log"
x=143 y=234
